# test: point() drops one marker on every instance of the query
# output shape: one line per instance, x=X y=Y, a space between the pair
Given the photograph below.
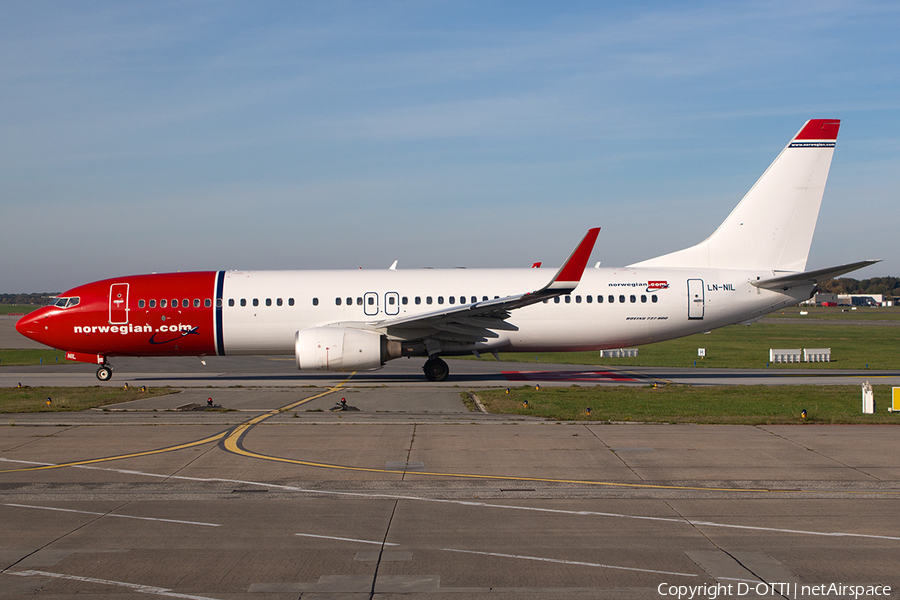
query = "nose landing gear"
x=104 y=373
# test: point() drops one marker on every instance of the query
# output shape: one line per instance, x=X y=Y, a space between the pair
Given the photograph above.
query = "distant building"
x=823 y=299
x=860 y=299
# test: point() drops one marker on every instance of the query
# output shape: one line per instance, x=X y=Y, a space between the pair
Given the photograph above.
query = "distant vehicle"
x=753 y=264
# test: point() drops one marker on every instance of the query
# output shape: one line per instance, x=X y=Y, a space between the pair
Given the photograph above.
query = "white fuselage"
x=638 y=306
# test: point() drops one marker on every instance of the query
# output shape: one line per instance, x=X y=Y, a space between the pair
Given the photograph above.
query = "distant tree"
x=888 y=286
x=42 y=299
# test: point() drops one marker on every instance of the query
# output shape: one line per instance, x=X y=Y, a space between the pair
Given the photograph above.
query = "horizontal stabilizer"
x=810 y=277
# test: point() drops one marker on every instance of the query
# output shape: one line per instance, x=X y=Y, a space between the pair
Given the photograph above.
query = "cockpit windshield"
x=67 y=302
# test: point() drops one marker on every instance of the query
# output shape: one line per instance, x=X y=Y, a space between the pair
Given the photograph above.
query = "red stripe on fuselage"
x=149 y=331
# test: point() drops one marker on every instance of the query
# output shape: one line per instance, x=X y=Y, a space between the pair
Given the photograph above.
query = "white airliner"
x=753 y=264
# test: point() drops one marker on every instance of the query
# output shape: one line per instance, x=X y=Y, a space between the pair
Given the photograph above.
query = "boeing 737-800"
x=753 y=264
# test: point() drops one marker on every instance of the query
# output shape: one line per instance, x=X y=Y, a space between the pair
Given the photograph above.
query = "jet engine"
x=339 y=349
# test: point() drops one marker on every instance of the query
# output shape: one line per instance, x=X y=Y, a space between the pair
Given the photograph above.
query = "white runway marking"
x=567 y=562
x=135 y=587
x=87 y=512
x=488 y=505
x=343 y=539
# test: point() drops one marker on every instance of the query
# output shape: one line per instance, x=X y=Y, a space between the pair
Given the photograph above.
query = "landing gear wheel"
x=104 y=373
x=436 y=369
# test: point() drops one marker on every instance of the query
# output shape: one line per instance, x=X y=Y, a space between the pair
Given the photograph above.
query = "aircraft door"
x=370 y=304
x=118 y=304
x=696 y=302
x=392 y=303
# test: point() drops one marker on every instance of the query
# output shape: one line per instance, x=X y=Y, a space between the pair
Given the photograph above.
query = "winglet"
x=570 y=273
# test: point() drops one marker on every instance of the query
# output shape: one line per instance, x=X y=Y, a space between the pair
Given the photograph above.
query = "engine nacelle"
x=339 y=349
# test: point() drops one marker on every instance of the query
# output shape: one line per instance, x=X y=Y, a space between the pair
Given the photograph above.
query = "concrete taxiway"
x=225 y=371
x=410 y=495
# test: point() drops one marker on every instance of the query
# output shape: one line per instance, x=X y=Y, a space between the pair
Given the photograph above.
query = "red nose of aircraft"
x=35 y=325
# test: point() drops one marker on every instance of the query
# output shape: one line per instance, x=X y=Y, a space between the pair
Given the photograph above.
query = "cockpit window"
x=67 y=302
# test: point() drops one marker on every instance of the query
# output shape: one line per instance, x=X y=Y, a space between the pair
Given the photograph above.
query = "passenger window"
x=337 y=301
x=140 y=304
x=391 y=300
x=577 y=299
x=653 y=298
x=589 y=299
x=633 y=299
x=315 y=301
x=371 y=301
x=358 y=301
x=484 y=298
x=153 y=304
x=611 y=298
x=243 y=302
x=643 y=298
x=208 y=303
x=290 y=301
x=256 y=302
x=279 y=302
x=568 y=299
x=231 y=302
x=163 y=303
x=185 y=303
x=349 y=301
x=474 y=299
x=440 y=299
x=599 y=299
x=268 y=302
x=197 y=302
x=405 y=301
x=556 y=300
x=418 y=300
x=428 y=300
x=462 y=299
x=622 y=298
x=452 y=300
x=175 y=303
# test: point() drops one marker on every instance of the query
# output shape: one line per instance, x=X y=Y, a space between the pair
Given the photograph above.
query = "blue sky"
x=154 y=136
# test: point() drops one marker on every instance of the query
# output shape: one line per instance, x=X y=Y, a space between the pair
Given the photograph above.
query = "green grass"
x=34 y=399
x=6 y=309
x=9 y=358
x=743 y=347
x=737 y=405
x=839 y=313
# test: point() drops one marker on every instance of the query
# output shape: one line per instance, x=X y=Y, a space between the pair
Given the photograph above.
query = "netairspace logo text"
x=784 y=590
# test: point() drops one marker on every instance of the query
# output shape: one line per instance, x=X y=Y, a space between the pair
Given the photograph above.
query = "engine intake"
x=340 y=349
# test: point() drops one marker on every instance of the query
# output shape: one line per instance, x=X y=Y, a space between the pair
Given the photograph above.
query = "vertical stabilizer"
x=772 y=227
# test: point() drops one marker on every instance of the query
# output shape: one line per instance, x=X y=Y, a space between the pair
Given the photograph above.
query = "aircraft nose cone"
x=29 y=324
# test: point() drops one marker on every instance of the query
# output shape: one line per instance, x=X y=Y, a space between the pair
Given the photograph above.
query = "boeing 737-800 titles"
x=753 y=264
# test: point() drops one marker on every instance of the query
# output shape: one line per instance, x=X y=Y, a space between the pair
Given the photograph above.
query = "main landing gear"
x=104 y=373
x=436 y=369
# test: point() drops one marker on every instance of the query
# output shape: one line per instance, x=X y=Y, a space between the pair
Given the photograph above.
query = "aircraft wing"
x=475 y=322
x=807 y=278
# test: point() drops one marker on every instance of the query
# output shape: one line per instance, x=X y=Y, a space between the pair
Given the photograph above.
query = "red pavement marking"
x=565 y=376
